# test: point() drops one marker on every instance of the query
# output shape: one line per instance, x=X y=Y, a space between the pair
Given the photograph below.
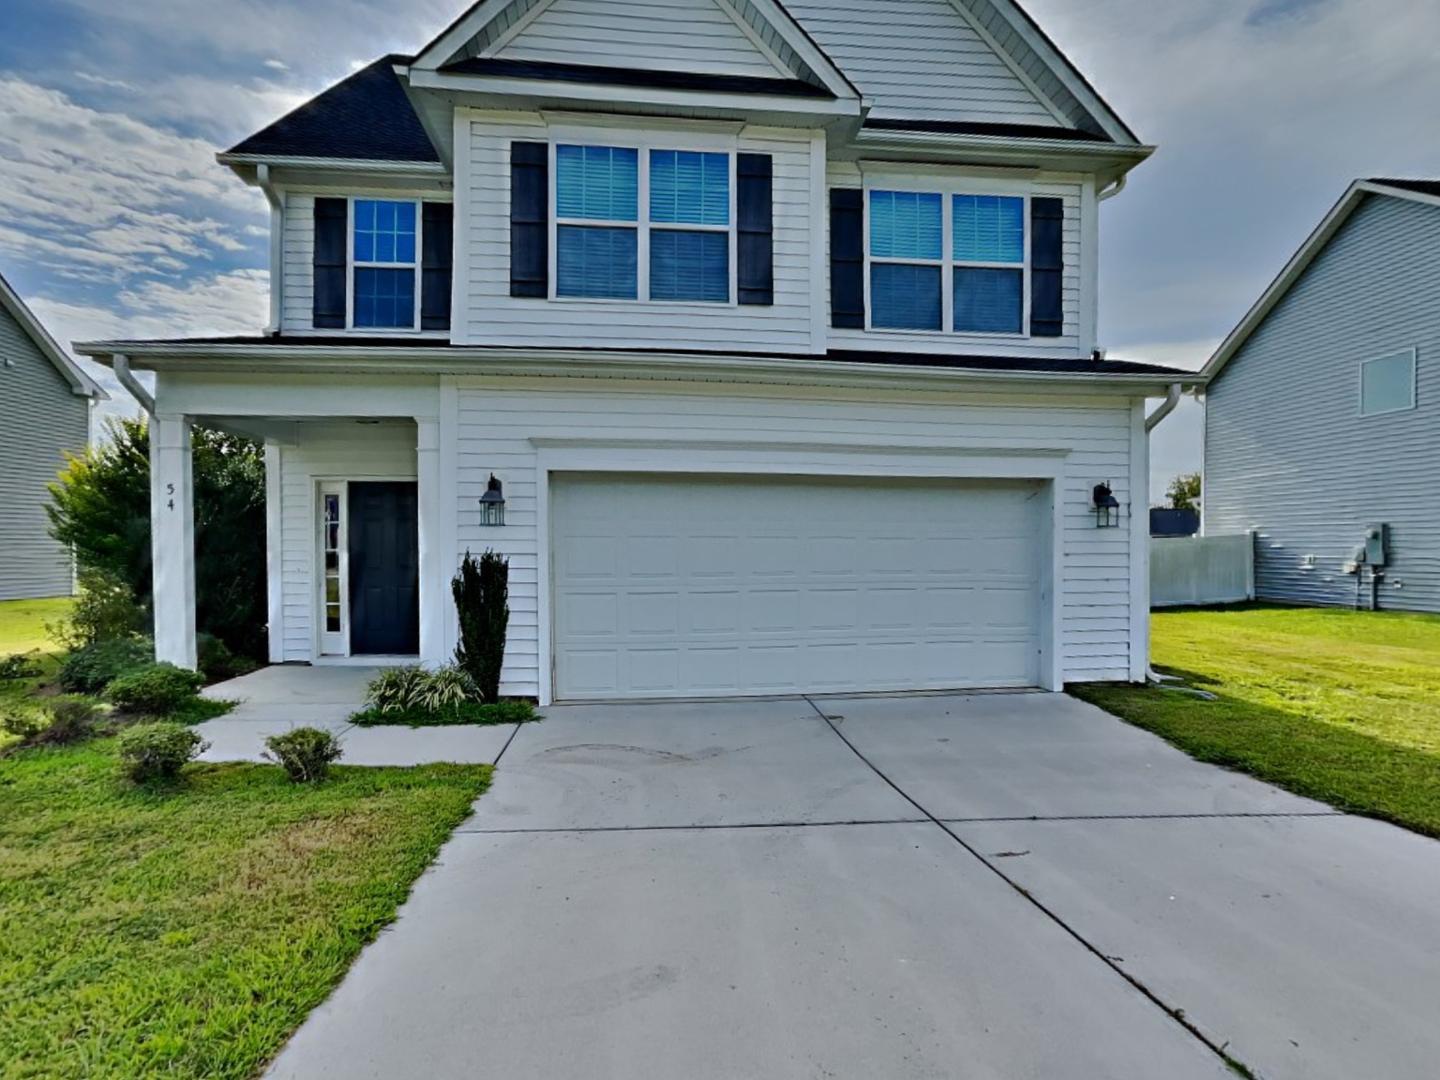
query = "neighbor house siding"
x=44 y=420
x=326 y=450
x=499 y=422
x=1287 y=452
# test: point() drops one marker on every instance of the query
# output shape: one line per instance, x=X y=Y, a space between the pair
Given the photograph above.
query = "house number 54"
x=170 y=490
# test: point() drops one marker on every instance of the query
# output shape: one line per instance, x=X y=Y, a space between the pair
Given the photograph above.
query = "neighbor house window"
x=383 y=256
x=925 y=249
x=1387 y=384
x=611 y=247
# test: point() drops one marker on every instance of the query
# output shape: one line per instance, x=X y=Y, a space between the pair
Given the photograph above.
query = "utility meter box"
x=1377 y=544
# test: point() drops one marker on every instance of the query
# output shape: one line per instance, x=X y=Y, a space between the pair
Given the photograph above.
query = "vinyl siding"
x=1287 y=452
x=847 y=174
x=298 y=260
x=667 y=35
x=500 y=420
x=492 y=317
x=335 y=450
x=44 y=419
x=920 y=60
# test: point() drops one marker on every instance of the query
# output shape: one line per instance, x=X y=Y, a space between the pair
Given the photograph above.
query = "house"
x=47 y=401
x=768 y=331
x=1322 y=417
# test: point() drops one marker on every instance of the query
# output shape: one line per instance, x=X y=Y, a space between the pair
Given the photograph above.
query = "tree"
x=482 y=601
x=1184 y=492
x=100 y=507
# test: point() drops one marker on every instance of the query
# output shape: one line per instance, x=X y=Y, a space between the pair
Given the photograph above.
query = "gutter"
x=120 y=364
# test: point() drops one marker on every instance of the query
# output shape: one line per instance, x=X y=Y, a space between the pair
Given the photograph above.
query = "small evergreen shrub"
x=104 y=610
x=72 y=718
x=217 y=662
x=89 y=669
x=304 y=753
x=155 y=690
x=482 y=601
x=157 y=751
x=19 y=666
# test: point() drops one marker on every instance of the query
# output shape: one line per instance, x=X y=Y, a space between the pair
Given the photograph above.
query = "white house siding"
x=326 y=450
x=667 y=35
x=491 y=316
x=920 y=60
x=1286 y=450
x=498 y=419
x=847 y=174
x=44 y=419
x=298 y=255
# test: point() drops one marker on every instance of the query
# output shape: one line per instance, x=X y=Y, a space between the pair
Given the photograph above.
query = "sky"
x=116 y=220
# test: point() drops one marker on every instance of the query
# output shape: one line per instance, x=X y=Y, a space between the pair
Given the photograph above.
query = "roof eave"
x=81 y=385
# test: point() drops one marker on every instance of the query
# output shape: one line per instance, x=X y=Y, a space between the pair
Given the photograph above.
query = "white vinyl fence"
x=1187 y=570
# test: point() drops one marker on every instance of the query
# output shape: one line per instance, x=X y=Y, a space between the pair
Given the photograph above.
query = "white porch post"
x=172 y=539
x=434 y=569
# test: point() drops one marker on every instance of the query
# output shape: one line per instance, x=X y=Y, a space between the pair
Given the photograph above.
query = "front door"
x=384 y=549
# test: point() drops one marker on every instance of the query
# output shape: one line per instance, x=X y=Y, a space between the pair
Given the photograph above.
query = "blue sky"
x=115 y=219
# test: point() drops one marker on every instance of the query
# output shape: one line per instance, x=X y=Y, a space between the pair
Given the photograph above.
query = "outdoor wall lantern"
x=1107 y=507
x=492 y=503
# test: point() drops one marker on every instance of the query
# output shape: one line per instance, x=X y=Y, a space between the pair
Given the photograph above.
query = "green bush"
x=24 y=724
x=104 y=610
x=407 y=689
x=444 y=688
x=155 y=690
x=157 y=751
x=466 y=712
x=482 y=593
x=19 y=666
x=304 y=753
x=72 y=718
x=395 y=689
x=92 y=668
x=217 y=662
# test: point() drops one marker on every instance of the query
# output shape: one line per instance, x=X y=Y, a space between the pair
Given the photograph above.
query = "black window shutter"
x=332 y=219
x=435 y=264
x=529 y=219
x=1047 y=267
x=847 y=258
x=755 y=228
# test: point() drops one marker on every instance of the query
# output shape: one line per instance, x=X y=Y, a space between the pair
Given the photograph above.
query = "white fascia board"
x=291 y=161
x=611 y=95
x=1058 y=155
x=440 y=359
x=1299 y=263
x=80 y=383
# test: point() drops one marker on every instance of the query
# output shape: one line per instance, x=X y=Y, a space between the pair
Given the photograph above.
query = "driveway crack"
x=1176 y=1014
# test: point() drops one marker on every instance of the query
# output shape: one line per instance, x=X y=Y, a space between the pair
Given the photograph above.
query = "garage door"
x=668 y=586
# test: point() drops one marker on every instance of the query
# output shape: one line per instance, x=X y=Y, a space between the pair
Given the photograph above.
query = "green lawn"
x=186 y=933
x=22 y=623
x=1339 y=705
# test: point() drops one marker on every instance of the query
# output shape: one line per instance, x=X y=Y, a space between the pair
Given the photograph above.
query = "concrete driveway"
x=997 y=886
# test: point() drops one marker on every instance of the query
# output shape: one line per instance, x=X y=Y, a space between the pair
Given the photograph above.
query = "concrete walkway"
x=276 y=699
x=996 y=886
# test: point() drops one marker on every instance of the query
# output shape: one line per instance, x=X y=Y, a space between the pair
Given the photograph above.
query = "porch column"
x=172 y=539
x=435 y=570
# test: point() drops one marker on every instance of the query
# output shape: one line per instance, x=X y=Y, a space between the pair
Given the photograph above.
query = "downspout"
x=277 y=236
x=120 y=364
x=1166 y=407
x=1113 y=190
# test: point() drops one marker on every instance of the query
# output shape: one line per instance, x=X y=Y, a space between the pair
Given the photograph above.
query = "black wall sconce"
x=1107 y=507
x=492 y=503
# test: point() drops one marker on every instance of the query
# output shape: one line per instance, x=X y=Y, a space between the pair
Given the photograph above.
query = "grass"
x=22 y=623
x=470 y=712
x=187 y=932
x=1337 y=705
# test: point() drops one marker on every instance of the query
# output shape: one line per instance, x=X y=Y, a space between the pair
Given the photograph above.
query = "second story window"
x=612 y=245
x=383 y=253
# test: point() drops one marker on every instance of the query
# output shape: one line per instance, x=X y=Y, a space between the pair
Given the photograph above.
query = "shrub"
x=104 y=610
x=72 y=718
x=157 y=751
x=24 y=724
x=395 y=689
x=304 y=753
x=155 y=690
x=445 y=688
x=407 y=689
x=481 y=590
x=19 y=666
x=216 y=660
x=90 y=669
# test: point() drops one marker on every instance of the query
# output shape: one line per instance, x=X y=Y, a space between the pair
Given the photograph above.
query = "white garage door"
x=670 y=586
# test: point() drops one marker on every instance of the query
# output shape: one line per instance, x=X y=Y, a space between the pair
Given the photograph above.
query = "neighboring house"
x=1322 y=417
x=46 y=401
x=775 y=327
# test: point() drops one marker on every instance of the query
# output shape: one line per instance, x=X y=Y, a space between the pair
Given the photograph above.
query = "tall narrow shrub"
x=482 y=600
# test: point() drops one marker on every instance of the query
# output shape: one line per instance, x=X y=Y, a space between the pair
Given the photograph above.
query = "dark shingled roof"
x=367 y=117
x=967 y=127
x=618 y=76
x=1033 y=364
x=1420 y=187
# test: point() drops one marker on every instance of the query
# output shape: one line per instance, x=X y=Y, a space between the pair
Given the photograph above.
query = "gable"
x=655 y=35
x=923 y=60
x=23 y=341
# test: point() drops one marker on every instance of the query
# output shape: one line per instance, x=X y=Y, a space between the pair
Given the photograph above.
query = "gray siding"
x=1287 y=452
x=40 y=419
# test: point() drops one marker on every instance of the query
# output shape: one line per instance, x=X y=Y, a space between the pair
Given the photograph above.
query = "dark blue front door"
x=384 y=569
